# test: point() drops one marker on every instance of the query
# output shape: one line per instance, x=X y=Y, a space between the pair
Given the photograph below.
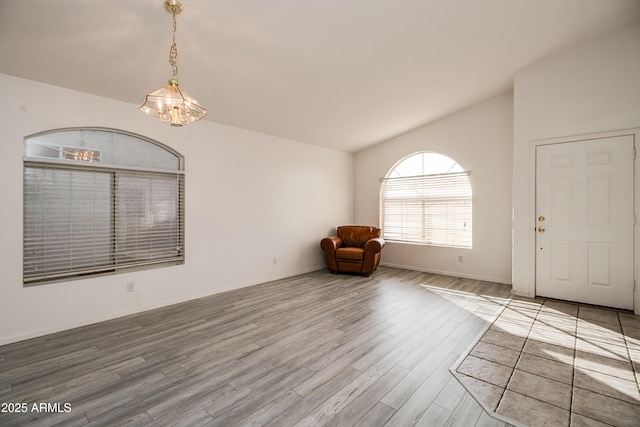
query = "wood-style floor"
x=311 y=350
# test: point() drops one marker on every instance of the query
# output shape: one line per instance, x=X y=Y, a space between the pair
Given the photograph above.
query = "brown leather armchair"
x=355 y=249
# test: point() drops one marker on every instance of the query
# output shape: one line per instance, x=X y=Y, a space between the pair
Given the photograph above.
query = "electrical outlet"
x=131 y=286
x=460 y=258
x=275 y=261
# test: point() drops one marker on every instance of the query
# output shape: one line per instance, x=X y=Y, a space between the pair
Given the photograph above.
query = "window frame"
x=412 y=213
x=170 y=176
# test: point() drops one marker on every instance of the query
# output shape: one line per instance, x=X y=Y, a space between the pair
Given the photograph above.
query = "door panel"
x=599 y=264
x=562 y=195
x=585 y=221
x=562 y=254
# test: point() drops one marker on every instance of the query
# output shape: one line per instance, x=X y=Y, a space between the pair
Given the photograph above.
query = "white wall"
x=592 y=88
x=250 y=198
x=479 y=138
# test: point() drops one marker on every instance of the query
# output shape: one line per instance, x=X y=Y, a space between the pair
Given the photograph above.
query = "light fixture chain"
x=173 y=52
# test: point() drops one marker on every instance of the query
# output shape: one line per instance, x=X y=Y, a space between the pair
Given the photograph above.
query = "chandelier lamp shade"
x=170 y=103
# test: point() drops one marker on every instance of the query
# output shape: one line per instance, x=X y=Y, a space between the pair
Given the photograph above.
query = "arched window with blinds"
x=426 y=198
x=99 y=201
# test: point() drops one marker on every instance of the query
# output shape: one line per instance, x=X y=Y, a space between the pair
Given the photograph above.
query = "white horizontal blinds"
x=80 y=221
x=99 y=200
x=67 y=221
x=433 y=209
x=148 y=226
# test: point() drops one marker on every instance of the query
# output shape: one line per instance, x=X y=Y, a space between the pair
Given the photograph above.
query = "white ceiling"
x=343 y=74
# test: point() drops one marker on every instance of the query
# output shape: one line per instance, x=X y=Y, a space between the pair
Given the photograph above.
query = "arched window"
x=97 y=201
x=426 y=198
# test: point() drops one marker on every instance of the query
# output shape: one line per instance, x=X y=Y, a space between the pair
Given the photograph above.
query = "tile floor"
x=552 y=363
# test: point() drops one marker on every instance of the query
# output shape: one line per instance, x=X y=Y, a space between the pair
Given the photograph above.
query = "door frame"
x=533 y=145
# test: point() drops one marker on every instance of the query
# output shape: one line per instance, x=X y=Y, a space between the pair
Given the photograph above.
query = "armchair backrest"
x=357 y=235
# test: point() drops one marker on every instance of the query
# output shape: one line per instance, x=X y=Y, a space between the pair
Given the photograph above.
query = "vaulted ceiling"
x=342 y=74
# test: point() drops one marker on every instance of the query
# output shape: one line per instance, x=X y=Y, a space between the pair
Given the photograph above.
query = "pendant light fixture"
x=170 y=103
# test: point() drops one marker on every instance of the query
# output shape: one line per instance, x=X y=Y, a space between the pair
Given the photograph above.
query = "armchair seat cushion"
x=351 y=254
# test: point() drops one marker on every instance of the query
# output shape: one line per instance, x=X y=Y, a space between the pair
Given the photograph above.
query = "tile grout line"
x=519 y=356
x=574 y=354
x=491 y=411
x=626 y=344
x=573 y=370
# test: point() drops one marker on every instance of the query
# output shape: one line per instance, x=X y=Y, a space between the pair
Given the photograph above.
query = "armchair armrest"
x=374 y=245
x=331 y=243
x=372 y=250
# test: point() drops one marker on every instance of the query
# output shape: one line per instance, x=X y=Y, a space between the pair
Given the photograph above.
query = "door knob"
x=541 y=229
x=541 y=218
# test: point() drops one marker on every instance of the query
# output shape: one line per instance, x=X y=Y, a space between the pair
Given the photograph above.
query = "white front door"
x=585 y=221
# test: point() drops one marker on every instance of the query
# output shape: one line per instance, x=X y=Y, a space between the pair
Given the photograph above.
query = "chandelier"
x=170 y=103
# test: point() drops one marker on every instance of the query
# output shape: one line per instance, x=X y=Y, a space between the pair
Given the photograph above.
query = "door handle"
x=541 y=229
